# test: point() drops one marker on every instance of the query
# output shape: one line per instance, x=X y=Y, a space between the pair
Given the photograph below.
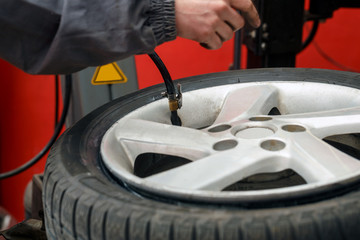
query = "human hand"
x=211 y=22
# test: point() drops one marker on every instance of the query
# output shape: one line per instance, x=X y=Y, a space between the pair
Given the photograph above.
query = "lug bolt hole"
x=260 y=119
x=293 y=128
x=220 y=128
x=225 y=145
x=273 y=145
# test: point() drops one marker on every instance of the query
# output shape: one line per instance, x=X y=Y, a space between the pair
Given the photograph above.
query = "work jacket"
x=64 y=36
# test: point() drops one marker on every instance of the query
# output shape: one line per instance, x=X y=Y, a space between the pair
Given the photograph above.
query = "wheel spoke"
x=328 y=123
x=315 y=160
x=141 y=136
x=240 y=103
x=219 y=170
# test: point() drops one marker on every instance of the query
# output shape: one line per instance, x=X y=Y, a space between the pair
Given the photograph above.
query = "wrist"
x=162 y=20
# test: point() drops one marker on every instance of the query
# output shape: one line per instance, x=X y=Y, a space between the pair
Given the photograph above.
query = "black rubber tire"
x=82 y=202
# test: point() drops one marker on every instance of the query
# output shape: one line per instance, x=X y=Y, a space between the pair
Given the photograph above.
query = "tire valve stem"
x=175 y=103
x=175 y=97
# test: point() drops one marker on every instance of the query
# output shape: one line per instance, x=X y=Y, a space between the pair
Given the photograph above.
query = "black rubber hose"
x=175 y=119
x=311 y=35
x=27 y=165
x=170 y=88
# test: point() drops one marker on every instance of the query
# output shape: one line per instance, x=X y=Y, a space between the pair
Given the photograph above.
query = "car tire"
x=83 y=201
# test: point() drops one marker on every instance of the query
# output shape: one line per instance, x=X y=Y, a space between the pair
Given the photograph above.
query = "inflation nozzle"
x=175 y=103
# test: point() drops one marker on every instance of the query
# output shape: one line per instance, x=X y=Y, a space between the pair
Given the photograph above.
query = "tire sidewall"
x=74 y=165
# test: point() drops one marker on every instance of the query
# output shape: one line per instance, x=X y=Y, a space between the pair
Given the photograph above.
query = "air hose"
x=59 y=126
x=173 y=94
x=311 y=36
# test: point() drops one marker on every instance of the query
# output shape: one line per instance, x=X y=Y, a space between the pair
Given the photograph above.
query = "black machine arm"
x=279 y=39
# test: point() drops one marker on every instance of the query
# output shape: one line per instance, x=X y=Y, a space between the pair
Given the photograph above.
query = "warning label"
x=108 y=74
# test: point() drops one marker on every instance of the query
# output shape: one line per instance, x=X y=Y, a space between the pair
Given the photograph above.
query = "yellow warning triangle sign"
x=108 y=74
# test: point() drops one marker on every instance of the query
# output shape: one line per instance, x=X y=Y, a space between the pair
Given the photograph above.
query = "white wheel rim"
x=238 y=139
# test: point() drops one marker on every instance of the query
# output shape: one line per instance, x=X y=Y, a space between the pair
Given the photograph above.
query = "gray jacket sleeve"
x=64 y=36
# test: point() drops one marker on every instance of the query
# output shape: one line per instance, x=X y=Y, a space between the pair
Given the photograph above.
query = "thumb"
x=248 y=11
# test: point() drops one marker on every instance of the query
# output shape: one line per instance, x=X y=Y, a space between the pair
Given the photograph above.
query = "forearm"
x=66 y=36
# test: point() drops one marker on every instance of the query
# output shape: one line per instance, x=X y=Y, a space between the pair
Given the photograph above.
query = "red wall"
x=27 y=102
x=26 y=124
x=339 y=38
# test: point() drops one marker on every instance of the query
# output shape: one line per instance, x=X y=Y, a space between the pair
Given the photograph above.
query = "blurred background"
x=28 y=102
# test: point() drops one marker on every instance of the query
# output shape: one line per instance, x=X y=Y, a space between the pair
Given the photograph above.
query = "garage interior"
x=31 y=104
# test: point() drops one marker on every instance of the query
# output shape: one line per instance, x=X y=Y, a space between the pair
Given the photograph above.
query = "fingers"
x=213 y=42
x=232 y=18
x=229 y=21
x=248 y=10
x=223 y=32
x=223 y=25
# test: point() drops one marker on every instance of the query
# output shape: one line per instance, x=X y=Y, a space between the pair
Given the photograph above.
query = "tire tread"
x=80 y=203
